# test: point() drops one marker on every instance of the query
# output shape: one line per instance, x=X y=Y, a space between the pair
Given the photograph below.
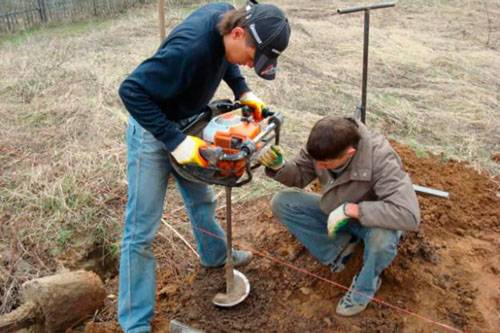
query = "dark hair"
x=330 y=136
x=232 y=19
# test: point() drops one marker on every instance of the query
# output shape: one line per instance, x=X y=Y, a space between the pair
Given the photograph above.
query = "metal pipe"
x=365 y=66
x=360 y=8
x=431 y=191
x=229 y=238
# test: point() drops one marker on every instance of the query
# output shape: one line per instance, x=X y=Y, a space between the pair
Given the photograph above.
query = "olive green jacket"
x=374 y=179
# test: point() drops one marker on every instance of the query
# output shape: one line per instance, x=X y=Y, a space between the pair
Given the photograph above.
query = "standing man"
x=365 y=195
x=175 y=84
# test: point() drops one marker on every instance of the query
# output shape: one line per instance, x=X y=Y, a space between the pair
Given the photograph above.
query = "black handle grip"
x=246 y=112
x=211 y=155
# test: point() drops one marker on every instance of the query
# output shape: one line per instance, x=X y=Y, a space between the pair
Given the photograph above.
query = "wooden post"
x=2 y=21
x=161 y=18
x=42 y=10
x=9 y=24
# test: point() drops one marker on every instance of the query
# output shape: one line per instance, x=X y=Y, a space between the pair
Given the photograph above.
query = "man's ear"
x=238 y=33
x=351 y=151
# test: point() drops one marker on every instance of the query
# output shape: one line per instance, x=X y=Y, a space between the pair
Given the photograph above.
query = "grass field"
x=433 y=84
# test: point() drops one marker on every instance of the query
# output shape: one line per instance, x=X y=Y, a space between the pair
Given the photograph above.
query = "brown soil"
x=447 y=272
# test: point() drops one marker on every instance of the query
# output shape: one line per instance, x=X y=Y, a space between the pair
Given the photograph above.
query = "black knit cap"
x=270 y=30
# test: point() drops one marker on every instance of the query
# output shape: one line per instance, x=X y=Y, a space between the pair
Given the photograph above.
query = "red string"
x=377 y=300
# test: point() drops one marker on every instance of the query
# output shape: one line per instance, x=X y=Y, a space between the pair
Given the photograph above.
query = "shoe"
x=340 y=262
x=347 y=307
x=241 y=258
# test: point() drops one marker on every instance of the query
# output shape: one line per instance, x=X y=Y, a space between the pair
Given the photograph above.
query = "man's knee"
x=204 y=196
x=277 y=203
x=280 y=203
x=383 y=240
x=139 y=247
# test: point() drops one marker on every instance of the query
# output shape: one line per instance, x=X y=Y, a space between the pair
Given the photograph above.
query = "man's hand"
x=255 y=103
x=337 y=220
x=272 y=158
x=188 y=151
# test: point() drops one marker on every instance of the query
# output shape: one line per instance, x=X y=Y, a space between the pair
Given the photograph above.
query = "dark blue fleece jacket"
x=182 y=77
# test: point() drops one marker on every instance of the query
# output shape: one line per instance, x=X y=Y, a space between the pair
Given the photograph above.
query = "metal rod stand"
x=361 y=109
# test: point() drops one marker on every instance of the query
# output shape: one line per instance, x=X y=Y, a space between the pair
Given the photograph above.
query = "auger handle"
x=369 y=7
x=250 y=146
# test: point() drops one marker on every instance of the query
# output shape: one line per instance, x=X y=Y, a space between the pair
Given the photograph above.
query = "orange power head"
x=237 y=134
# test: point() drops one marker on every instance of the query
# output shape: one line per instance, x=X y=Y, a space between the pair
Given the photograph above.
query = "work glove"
x=272 y=158
x=337 y=220
x=188 y=151
x=256 y=104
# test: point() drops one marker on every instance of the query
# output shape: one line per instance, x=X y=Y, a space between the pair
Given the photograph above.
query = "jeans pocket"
x=147 y=137
x=131 y=131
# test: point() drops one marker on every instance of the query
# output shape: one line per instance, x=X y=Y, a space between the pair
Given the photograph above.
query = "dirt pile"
x=447 y=272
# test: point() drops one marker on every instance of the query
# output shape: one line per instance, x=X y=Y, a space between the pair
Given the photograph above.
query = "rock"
x=305 y=290
x=468 y=300
x=460 y=232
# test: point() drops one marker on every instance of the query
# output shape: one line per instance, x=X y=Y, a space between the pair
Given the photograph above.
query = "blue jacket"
x=181 y=78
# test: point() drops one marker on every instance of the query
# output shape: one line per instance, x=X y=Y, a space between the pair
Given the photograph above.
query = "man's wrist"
x=351 y=210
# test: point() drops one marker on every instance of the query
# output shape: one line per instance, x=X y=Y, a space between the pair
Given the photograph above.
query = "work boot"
x=348 y=307
x=241 y=258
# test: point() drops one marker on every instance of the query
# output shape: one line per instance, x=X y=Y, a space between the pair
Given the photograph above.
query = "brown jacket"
x=374 y=179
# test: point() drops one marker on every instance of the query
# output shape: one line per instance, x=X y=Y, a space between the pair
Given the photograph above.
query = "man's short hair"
x=330 y=136
x=232 y=19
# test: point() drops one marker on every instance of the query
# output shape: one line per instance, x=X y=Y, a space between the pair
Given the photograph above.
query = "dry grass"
x=433 y=84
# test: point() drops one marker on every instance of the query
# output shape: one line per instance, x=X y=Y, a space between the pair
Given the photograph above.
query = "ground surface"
x=433 y=86
x=448 y=272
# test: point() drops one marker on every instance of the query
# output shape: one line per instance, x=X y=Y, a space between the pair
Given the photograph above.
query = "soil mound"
x=446 y=272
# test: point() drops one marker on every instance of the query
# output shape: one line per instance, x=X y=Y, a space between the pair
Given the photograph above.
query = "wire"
x=304 y=271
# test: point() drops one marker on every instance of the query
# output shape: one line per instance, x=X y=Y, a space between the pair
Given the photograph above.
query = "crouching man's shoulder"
x=397 y=204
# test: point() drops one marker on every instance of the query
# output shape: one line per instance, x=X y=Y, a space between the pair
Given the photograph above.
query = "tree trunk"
x=22 y=317
x=57 y=302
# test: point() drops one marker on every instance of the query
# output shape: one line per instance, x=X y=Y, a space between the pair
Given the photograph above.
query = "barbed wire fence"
x=18 y=15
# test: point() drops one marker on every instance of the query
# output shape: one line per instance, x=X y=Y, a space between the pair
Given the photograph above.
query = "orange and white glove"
x=255 y=103
x=188 y=151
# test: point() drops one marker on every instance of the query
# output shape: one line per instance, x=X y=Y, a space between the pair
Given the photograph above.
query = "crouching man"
x=366 y=196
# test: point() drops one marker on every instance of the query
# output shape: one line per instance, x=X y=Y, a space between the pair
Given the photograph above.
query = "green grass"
x=36 y=119
x=63 y=237
x=420 y=150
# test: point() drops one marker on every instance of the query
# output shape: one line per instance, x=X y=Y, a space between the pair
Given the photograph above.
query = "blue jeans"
x=148 y=171
x=301 y=214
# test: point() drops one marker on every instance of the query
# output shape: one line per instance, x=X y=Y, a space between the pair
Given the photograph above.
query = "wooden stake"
x=161 y=18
